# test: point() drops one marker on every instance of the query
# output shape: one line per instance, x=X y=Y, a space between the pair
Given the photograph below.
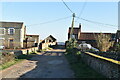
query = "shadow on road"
x=51 y=64
x=58 y=46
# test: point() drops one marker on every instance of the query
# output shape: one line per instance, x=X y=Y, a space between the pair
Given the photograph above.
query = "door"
x=11 y=45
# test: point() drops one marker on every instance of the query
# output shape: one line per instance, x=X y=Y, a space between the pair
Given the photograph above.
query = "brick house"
x=76 y=32
x=13 y=35
x=88 y=37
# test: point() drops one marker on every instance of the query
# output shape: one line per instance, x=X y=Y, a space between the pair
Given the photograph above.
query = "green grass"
x=17 y=60
x=81 y=69
x=10 y=63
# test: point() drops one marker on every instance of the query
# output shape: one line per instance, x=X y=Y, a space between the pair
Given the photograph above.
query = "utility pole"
x=71 y=32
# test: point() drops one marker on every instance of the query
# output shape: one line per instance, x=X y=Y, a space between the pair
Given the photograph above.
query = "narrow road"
x=51 y=64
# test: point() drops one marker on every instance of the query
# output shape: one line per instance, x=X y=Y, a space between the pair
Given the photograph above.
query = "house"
x=12 y=34
x=88 y=37
x=49 y=41
x=76 y=32
x=31 y=41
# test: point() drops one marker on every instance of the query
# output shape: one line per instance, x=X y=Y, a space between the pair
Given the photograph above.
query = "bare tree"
x=103 y=42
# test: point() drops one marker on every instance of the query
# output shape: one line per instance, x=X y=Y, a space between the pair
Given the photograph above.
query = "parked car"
x=95 y=49
x=85 y=46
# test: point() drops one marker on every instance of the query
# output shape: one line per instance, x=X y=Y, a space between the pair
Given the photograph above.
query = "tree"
x=117 y=47
x=72 y=43
x=103 y=42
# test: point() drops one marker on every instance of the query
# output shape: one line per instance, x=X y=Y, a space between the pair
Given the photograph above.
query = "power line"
x=50 y=21
x=98 y=22
x=83 y=8
x=67 y=7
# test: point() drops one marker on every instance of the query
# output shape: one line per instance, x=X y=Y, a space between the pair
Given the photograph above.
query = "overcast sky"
x=34 y=14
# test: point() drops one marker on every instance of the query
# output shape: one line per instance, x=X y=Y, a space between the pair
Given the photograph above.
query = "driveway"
x=50 y=64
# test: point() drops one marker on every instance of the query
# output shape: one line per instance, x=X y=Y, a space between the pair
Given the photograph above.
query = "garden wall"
x=45 y=45
x=108 y=67
x=20 y=51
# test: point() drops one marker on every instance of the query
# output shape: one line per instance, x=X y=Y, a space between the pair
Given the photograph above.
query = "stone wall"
x=108 y=67
x=45 y=45
x=20 y=51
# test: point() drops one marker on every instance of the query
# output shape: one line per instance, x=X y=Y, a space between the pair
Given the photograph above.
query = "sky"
x=36 y=17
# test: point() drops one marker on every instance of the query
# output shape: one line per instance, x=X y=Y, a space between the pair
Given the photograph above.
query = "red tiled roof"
x=90 y=36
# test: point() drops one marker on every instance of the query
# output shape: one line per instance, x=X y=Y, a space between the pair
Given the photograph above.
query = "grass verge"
x=81 y=69
x=16 y=60
x=10 y=63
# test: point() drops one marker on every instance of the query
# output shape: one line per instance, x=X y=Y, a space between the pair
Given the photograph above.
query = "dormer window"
x=11 y=31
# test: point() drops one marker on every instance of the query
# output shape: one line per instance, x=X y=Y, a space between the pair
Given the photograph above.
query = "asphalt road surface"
x=50 y=64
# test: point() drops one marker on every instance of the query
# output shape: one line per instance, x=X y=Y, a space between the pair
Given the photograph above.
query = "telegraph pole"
x=71 y=32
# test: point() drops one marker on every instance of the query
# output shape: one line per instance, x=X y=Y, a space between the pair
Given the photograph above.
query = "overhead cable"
x=50 y=21
x=113 y=26
x=67 y=7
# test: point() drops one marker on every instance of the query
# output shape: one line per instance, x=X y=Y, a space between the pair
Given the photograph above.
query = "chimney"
x=80 y=25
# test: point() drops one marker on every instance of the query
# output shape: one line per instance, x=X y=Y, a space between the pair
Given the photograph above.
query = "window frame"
x=13 y=31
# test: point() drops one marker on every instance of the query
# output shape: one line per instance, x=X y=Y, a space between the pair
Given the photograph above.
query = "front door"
x=11 y=43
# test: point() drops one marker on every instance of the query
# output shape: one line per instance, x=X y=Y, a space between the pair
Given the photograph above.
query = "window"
x=2 y=31
x=11 y=40
x=11 y=31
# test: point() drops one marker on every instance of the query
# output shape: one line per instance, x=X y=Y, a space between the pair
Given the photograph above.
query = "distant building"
x=32 y=41
x=49 y=41
x=88 y=37
x=76 y=32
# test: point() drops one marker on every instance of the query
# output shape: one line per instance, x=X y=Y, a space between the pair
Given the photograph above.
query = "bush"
x=118 y=47
x=74 y=54
x=80 y=69
x=6 y=57
x=71 y=43
x=103 y=42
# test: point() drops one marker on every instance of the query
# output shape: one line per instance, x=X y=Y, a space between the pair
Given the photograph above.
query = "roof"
x=50 y=36
x=90 y=36
x=11 y=24
x=75 y=30
x=33 y=35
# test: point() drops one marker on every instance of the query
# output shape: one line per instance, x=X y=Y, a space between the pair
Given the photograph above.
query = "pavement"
x=50 y=64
